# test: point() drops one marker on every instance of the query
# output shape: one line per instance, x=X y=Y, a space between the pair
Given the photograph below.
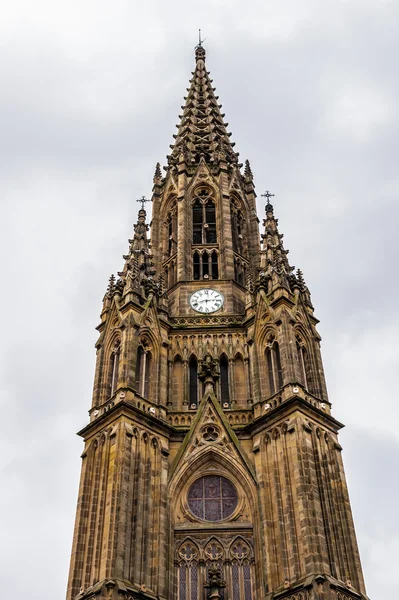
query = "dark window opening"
x=210 y=223
x=275 y=372
x=193 y=383
x=224 y=381
x=115 y=367
x=204 y=220
x=270 y=371
x=143 y=372
x=215 y=266
x=205 y=265
x=197 y=222
x=196 y=263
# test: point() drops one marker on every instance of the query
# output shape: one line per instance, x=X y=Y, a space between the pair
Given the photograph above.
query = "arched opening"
x=147 y=375
x=205 y=265
x=188 y=580
x=210 y=223
x=171 y=222
x=300 y=352
x=114 y=367
x=240 y=384
x=193 y=382
x=197 y=222
x=196 y=266
x=275 y=373
x=177 y=383
x=214 y=498
x=143 y=371
x=204 y=218
x=224 y=381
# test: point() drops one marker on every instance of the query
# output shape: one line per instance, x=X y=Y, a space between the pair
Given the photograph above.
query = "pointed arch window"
x=300 y=351
x=204 y=218
x=275 y=373
x=304 y=365
x=237 y=228
x=241 y=570
x=143 y=371
x=235 y=564
x=188 y=572
x=171 y=223
x=196 y=265
x=193 y=382
x=115 y=367
x=240 y=382
x=177 y=383
x=224 y=381
x=239 y=271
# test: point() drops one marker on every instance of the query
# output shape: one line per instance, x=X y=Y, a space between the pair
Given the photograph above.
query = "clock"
x=206 y=300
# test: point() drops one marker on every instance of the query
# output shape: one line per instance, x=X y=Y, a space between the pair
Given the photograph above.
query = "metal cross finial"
x=143 y=200
x=267 y=195
x=200 y=40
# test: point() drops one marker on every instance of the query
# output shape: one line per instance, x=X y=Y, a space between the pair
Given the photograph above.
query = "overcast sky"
x=90 y=95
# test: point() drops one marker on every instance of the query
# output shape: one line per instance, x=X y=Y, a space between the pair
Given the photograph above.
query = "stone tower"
x=211 y=464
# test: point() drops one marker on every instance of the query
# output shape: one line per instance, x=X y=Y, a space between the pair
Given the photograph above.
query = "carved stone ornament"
x=215 y=584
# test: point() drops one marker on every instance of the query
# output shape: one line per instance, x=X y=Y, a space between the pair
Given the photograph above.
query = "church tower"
x=211 y=466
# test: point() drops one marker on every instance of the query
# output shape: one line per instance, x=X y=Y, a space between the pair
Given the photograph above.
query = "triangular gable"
x=210 y=415
x=149 y=319
x=202 y=174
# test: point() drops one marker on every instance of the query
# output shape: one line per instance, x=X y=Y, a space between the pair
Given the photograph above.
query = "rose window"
x=212 y=498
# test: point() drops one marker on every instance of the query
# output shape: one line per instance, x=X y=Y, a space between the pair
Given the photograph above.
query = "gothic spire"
x=138 y=266
x=158 y=172
x=275 y=268
x=202 y=130
x=247 y=170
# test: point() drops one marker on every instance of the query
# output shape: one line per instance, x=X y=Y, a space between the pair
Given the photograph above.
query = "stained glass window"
x=247 y=581
x=236 y=581
x=212 y=498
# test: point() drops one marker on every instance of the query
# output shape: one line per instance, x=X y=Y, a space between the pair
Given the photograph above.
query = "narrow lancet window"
x=210 y=224
x=275 y=372
x=204 y=219
x=143 y=372
x=215 y=266
x=197 y=222
x=196 y=266
x=224 y=381
x=193 y=382
x=115 y=367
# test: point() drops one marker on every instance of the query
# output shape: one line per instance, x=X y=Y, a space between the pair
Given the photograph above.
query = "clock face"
x=206 y=300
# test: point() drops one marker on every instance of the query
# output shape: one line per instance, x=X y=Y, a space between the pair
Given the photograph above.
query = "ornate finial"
x=111 y=285
x=143 y=200
x=199 y=49
x=268 y=195
x=158 y=172
x=248 y=171
x=299 y=276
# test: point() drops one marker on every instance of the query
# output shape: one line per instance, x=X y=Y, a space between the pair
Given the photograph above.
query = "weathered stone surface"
x=257 y=416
